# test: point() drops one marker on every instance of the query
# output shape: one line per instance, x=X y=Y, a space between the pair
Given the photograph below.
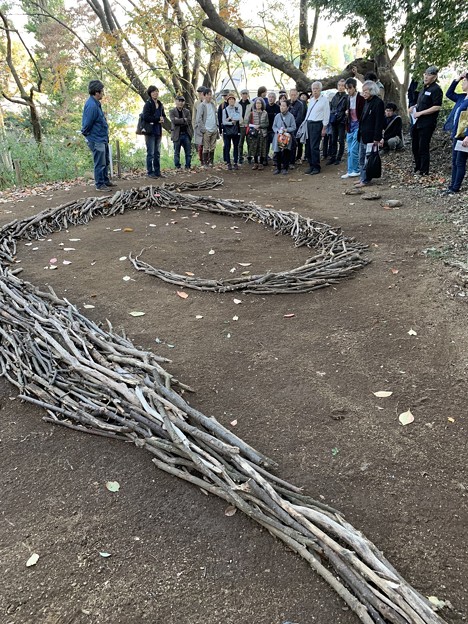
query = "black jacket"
x=152 y=115
x=272 y=110
x=338 y=106
x=371 y=123
x=298 y=112
x=392 y=128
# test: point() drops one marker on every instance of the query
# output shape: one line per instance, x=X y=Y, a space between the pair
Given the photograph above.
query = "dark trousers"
x=420 y=143
x=101 y=161
x=183 y=141
x=283 y=158
x=338 y=137
x=153 y=154
x=300 y=149
x=314 y=134
x=326 y=144
x=231 y=140
x=458 y=167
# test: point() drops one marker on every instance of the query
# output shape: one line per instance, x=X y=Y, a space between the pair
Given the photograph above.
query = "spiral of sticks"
x=91 y=379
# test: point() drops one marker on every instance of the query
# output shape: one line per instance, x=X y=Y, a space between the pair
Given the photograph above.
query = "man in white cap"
x=424 y=116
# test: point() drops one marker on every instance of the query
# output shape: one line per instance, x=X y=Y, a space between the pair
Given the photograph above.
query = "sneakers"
x=449 y=191
x=152 y=175
x=229 y=167
x=236 y=166
x=102 y=189
x=330 y=162
x=110 y=184
x=284 y=172
x=276 y=171
x=353 y=174
x=345 y=176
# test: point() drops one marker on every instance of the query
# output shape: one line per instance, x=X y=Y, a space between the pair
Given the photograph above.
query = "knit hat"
x=231 y=95
x=95 y=85
x=432 y=70
x=180 y=98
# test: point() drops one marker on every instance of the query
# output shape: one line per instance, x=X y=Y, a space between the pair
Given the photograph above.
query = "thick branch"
x=240 y=39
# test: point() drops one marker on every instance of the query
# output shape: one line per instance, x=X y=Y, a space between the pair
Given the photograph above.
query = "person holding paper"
x=459 y=133
x=425 y=115
x=371 y=125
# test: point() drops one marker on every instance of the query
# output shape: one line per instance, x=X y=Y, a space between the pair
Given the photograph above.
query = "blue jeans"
x=353 y=151
x=458 y=168
x=100 y=153
x=153 y=154
x=183 y=141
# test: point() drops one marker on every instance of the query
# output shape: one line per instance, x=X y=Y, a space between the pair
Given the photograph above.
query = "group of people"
x=294 y=126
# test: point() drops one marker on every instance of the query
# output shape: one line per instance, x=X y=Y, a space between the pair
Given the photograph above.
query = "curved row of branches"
x=91 y=379
x=337 y=256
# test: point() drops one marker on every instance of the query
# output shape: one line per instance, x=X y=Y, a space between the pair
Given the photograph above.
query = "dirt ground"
x=300 y=388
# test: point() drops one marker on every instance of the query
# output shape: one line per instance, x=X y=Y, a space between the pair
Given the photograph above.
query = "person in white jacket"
x=317 y=118
x=231 y=130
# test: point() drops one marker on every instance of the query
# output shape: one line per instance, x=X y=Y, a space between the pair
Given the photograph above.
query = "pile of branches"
x=92 y=379
x=337 y=256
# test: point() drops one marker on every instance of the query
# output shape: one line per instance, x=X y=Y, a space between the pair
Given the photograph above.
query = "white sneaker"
x=346 y=175
x=354 y=174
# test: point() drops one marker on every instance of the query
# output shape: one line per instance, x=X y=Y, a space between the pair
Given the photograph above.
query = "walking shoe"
x=110 y=184
x=330 y=162
x=284 y=172
x=152 y=175
x=315 y=172
x=255 y=166
x=354 y=174
x=260 y=167
x=102 y=189
x=449 y=191
x=292 y=166
x=236 y=166
x=229 y=167
x=346 y=175
x=309 y=171
x=276 y=171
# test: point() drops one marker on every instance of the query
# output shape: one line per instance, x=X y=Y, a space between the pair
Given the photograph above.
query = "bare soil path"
x=300 y=388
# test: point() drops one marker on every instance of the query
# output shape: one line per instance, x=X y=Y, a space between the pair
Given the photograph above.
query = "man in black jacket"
x=245 y=104
x=371 y=126
x=338 y=107
x=424 y=115
x=272 y=109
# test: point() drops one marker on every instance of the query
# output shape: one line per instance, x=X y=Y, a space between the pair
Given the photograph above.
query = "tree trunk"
x=35 y=122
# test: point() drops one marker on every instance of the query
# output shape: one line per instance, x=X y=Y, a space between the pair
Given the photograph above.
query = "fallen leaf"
x=211 y=252
x=52 y=260
x=189 y=273
x=152 y=225
x=68 y=249
x=52 y=267
x=66 y=262
x=289 y=315
x=394 y=271
x=235 y=318
x=383 y=394
x=105 y=554
x=74 y=240
x=126 y=278
x=244 y=264
x=245 y=273
x=450 y=419
x=406 y=418
x=127 y=229
x=122 y=258
x=237 y=301
x=213 y=227
x=88 y=306
x=199 y=316
x=335 y=451
x=233 y=270
x=230 y=511
x=137 y=313
x=113 y=486
x=33 y=559
x=233 y=423
x=412 y=332
x=438 y=604
x=182 y=294
x=269 y=206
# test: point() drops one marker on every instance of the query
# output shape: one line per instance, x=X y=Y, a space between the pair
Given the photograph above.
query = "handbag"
x=301 y=134
x=374 y=164
x=143 y=127
x=251 y=133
